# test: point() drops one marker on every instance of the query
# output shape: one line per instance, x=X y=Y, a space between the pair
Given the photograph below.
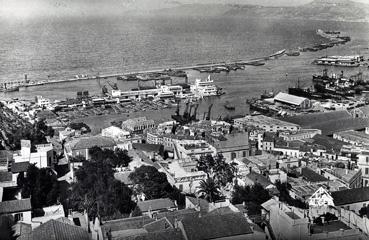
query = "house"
x=351 y=199
x=152 y=207
x=193 y=149
x=20 y=209
x=321 y=197
x=115 y=132
x=138 y=125
x=311 y=176
x=19 y=167
x=232 y=146
x=52 y=212
x=277 y=175
x=218 y=226
x=363 y=164
x=292 y=100
x=54 y=230
x=44 y=156
x=263 y=162
x=6 y=157
x=184 y=175
x=81 y=146
x=349 y=178
x=254 y=178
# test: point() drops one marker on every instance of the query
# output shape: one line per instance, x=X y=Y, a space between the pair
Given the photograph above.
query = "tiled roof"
x=348 y=196
x=156 y=204
x=18 y=167
x=90 y=142
x=159 y=225
x=169 y=234
x=216 y=226
x=56 y=230
x=312 y=176
x=125 y=224
x=177 y=215
x=5 y=176
x=203 y=204
x=15 y=206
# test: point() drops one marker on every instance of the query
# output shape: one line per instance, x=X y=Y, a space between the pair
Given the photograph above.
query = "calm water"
x=58 y=49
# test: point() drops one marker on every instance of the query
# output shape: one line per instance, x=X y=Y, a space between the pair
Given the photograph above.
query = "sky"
x=35 y=8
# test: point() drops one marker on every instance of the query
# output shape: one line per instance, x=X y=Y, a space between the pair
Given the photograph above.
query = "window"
x=233 y=155
x=366 y=170
x=244 y=154
x=180 y=187
x=367 y=159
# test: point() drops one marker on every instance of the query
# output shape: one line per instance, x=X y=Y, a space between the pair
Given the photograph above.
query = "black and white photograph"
x=184 y=119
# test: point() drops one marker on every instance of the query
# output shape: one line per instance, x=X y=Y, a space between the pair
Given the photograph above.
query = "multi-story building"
x=115 y=132
x=363 y=164
x=43 y=157
x=268 y=124
x=232 y=146
x=138 y=125
x=192 y=149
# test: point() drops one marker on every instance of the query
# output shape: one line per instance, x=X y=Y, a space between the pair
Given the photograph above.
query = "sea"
x=60 y=48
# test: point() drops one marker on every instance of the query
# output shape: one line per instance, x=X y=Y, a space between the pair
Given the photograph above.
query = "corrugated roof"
x=355 y=195
x=156 y=204
x=15 y=206
x=290 y=99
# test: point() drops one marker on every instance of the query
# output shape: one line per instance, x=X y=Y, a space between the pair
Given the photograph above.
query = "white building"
x=363 y=164
x=292 y=100
x=321 y=197
x=42 y=158
x=41 y=101
x=138 y=125
x=115 y=132
x=189 y=149
x=268 y=124
x=184 y=175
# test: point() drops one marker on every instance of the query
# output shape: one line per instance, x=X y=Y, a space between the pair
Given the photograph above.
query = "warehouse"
x=292 y=100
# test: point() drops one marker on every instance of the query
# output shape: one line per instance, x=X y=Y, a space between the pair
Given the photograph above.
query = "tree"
x=284 y=196
x=253 y=197
x=210 y=190
x=217 y=169
x=41 y=185
x=97 y=191
x=116 y=158
x=149 y=181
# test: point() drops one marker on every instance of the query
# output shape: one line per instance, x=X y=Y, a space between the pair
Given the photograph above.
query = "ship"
x=128 y=78
x=340 y=61
x=204 y=88
x=293 y=53
x=5 y=88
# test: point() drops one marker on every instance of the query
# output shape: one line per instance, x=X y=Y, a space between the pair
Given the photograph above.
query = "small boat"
x=229 y=106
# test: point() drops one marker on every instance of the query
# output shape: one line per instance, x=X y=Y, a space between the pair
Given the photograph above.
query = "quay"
x=26 y=83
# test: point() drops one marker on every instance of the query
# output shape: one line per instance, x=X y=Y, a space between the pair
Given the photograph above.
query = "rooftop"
x=6 y=176
x=329 y=122
x=15 y=206
x=55 y=230
x=216 y=226
x=258 y=178
x=355 y=195
x=351 y=135
x=311 y=176
x=18 y=167
x=91 y=141
x=290 y=99
x=262 y=119
x=156 y=204
x=331 y=227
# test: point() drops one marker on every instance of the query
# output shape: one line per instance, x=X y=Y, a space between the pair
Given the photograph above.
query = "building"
x=286 y=222
x=363 y=164
x=81 y=146
x=232 y=146
x=277 y=175
x=351 y=199
x=56 y=229
x=321 y=197
x=43 y=157
x=300 y=135
x=152 y=207
x=115 y=132
x=193 y=149
x=268 y=124
x=353 y=137
x=21 y=210
x=138 y=125
x=292 y=100
x=184 y=175
x=254 y=178
x=349 y=178
x=311 y=176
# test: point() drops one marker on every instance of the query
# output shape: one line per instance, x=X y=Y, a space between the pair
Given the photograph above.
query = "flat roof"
x=262 y=119
x=290 y=99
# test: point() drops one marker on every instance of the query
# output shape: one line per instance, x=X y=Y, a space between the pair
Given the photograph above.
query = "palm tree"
x=209 y=189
